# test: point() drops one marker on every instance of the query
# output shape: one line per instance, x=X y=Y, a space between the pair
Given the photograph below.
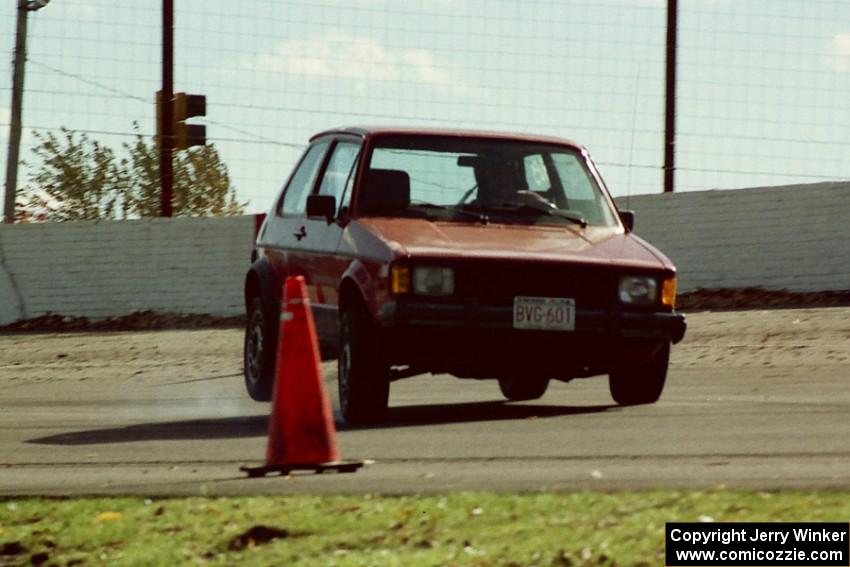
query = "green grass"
x=478 y=529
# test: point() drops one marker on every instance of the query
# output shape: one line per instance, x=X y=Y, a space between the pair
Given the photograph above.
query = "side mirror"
x=628 y=218
x=323 y=206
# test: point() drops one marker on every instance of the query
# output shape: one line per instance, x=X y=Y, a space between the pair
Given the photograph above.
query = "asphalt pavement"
x=753 y=400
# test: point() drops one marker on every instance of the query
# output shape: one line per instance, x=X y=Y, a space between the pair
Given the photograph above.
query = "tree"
x=80 y=179
x=201 y=185
x=143 y=166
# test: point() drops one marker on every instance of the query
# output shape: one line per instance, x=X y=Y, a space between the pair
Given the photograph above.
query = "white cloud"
x=841 y=52
x=433 y=5
x=426 y=68
x=654 y=3
x=663 y=3
x=347 y=56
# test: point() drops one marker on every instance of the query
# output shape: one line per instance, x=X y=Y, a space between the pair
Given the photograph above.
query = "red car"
x=477 y=254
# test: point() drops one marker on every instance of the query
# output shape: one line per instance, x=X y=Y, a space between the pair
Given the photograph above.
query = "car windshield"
x=463 y=179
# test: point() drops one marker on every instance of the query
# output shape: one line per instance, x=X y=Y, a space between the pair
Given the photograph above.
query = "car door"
x=282 y=231
x=314 y=254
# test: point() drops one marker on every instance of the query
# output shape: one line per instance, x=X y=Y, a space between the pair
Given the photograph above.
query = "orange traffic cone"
x=302 y=435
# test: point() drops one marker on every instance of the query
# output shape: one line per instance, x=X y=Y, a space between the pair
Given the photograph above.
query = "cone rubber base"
x=318 y=468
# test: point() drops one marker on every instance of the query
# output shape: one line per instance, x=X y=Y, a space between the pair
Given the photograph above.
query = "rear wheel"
x=260 y=350
x=519 y=389
x=363 y=374
x=642 y=384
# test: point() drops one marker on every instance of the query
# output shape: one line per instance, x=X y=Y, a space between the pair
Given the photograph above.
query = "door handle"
x=302 y=232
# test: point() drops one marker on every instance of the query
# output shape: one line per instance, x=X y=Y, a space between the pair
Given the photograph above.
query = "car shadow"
x=218 y=428
x=497 y=410
x=257 y=425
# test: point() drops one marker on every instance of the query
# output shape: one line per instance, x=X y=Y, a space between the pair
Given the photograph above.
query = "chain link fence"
x=762 y=91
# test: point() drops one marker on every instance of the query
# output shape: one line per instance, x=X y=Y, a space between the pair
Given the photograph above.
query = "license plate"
x=545 y=313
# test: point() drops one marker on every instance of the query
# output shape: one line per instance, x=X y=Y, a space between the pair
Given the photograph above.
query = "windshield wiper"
x=527 y=209
x=552 y=211
x=480 y=217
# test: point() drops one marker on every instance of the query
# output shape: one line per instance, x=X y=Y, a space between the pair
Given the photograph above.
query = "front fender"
x=369 y=282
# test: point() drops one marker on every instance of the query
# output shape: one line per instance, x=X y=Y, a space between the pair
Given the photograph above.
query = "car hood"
x=596 y=245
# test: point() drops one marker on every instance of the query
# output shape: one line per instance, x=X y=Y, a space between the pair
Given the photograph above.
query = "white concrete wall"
x=110 y=268
x=795 y=237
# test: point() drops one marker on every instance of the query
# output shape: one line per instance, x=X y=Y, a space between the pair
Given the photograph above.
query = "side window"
x=295 y=195
x=340 y=171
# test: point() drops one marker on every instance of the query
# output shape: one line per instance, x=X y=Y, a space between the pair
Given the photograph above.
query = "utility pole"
x=13 y=154
x=670 y=98
x=166 y=139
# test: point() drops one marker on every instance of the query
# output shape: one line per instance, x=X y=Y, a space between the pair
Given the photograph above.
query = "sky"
x=762 y=91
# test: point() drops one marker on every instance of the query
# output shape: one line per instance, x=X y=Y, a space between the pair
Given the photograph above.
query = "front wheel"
x=642 y=384
x=362 y=375
x=260 y=349
x=519 y=389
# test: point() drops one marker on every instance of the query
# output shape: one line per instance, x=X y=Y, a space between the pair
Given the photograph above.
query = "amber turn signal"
x=668 y=292
x=400 y=279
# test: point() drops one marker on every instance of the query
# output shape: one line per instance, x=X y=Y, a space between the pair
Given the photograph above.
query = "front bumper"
x=588 y=322
x=476 y=340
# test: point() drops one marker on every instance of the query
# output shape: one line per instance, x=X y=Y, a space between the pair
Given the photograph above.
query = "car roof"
x=364 y=131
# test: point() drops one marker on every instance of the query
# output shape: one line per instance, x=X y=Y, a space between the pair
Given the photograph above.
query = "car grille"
x=593 y=287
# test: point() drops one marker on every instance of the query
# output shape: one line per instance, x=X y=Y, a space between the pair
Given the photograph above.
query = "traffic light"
x=188 y=106
x=184 y=106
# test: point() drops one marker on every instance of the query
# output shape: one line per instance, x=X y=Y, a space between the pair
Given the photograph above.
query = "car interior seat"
x=384 y=191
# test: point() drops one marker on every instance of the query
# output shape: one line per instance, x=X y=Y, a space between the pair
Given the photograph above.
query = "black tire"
x=642 y=384
x=363 y=374
x=520 y=389
x=259 y=352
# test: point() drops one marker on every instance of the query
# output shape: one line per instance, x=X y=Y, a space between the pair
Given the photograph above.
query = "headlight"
x=433 y=281
x=638 y=290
